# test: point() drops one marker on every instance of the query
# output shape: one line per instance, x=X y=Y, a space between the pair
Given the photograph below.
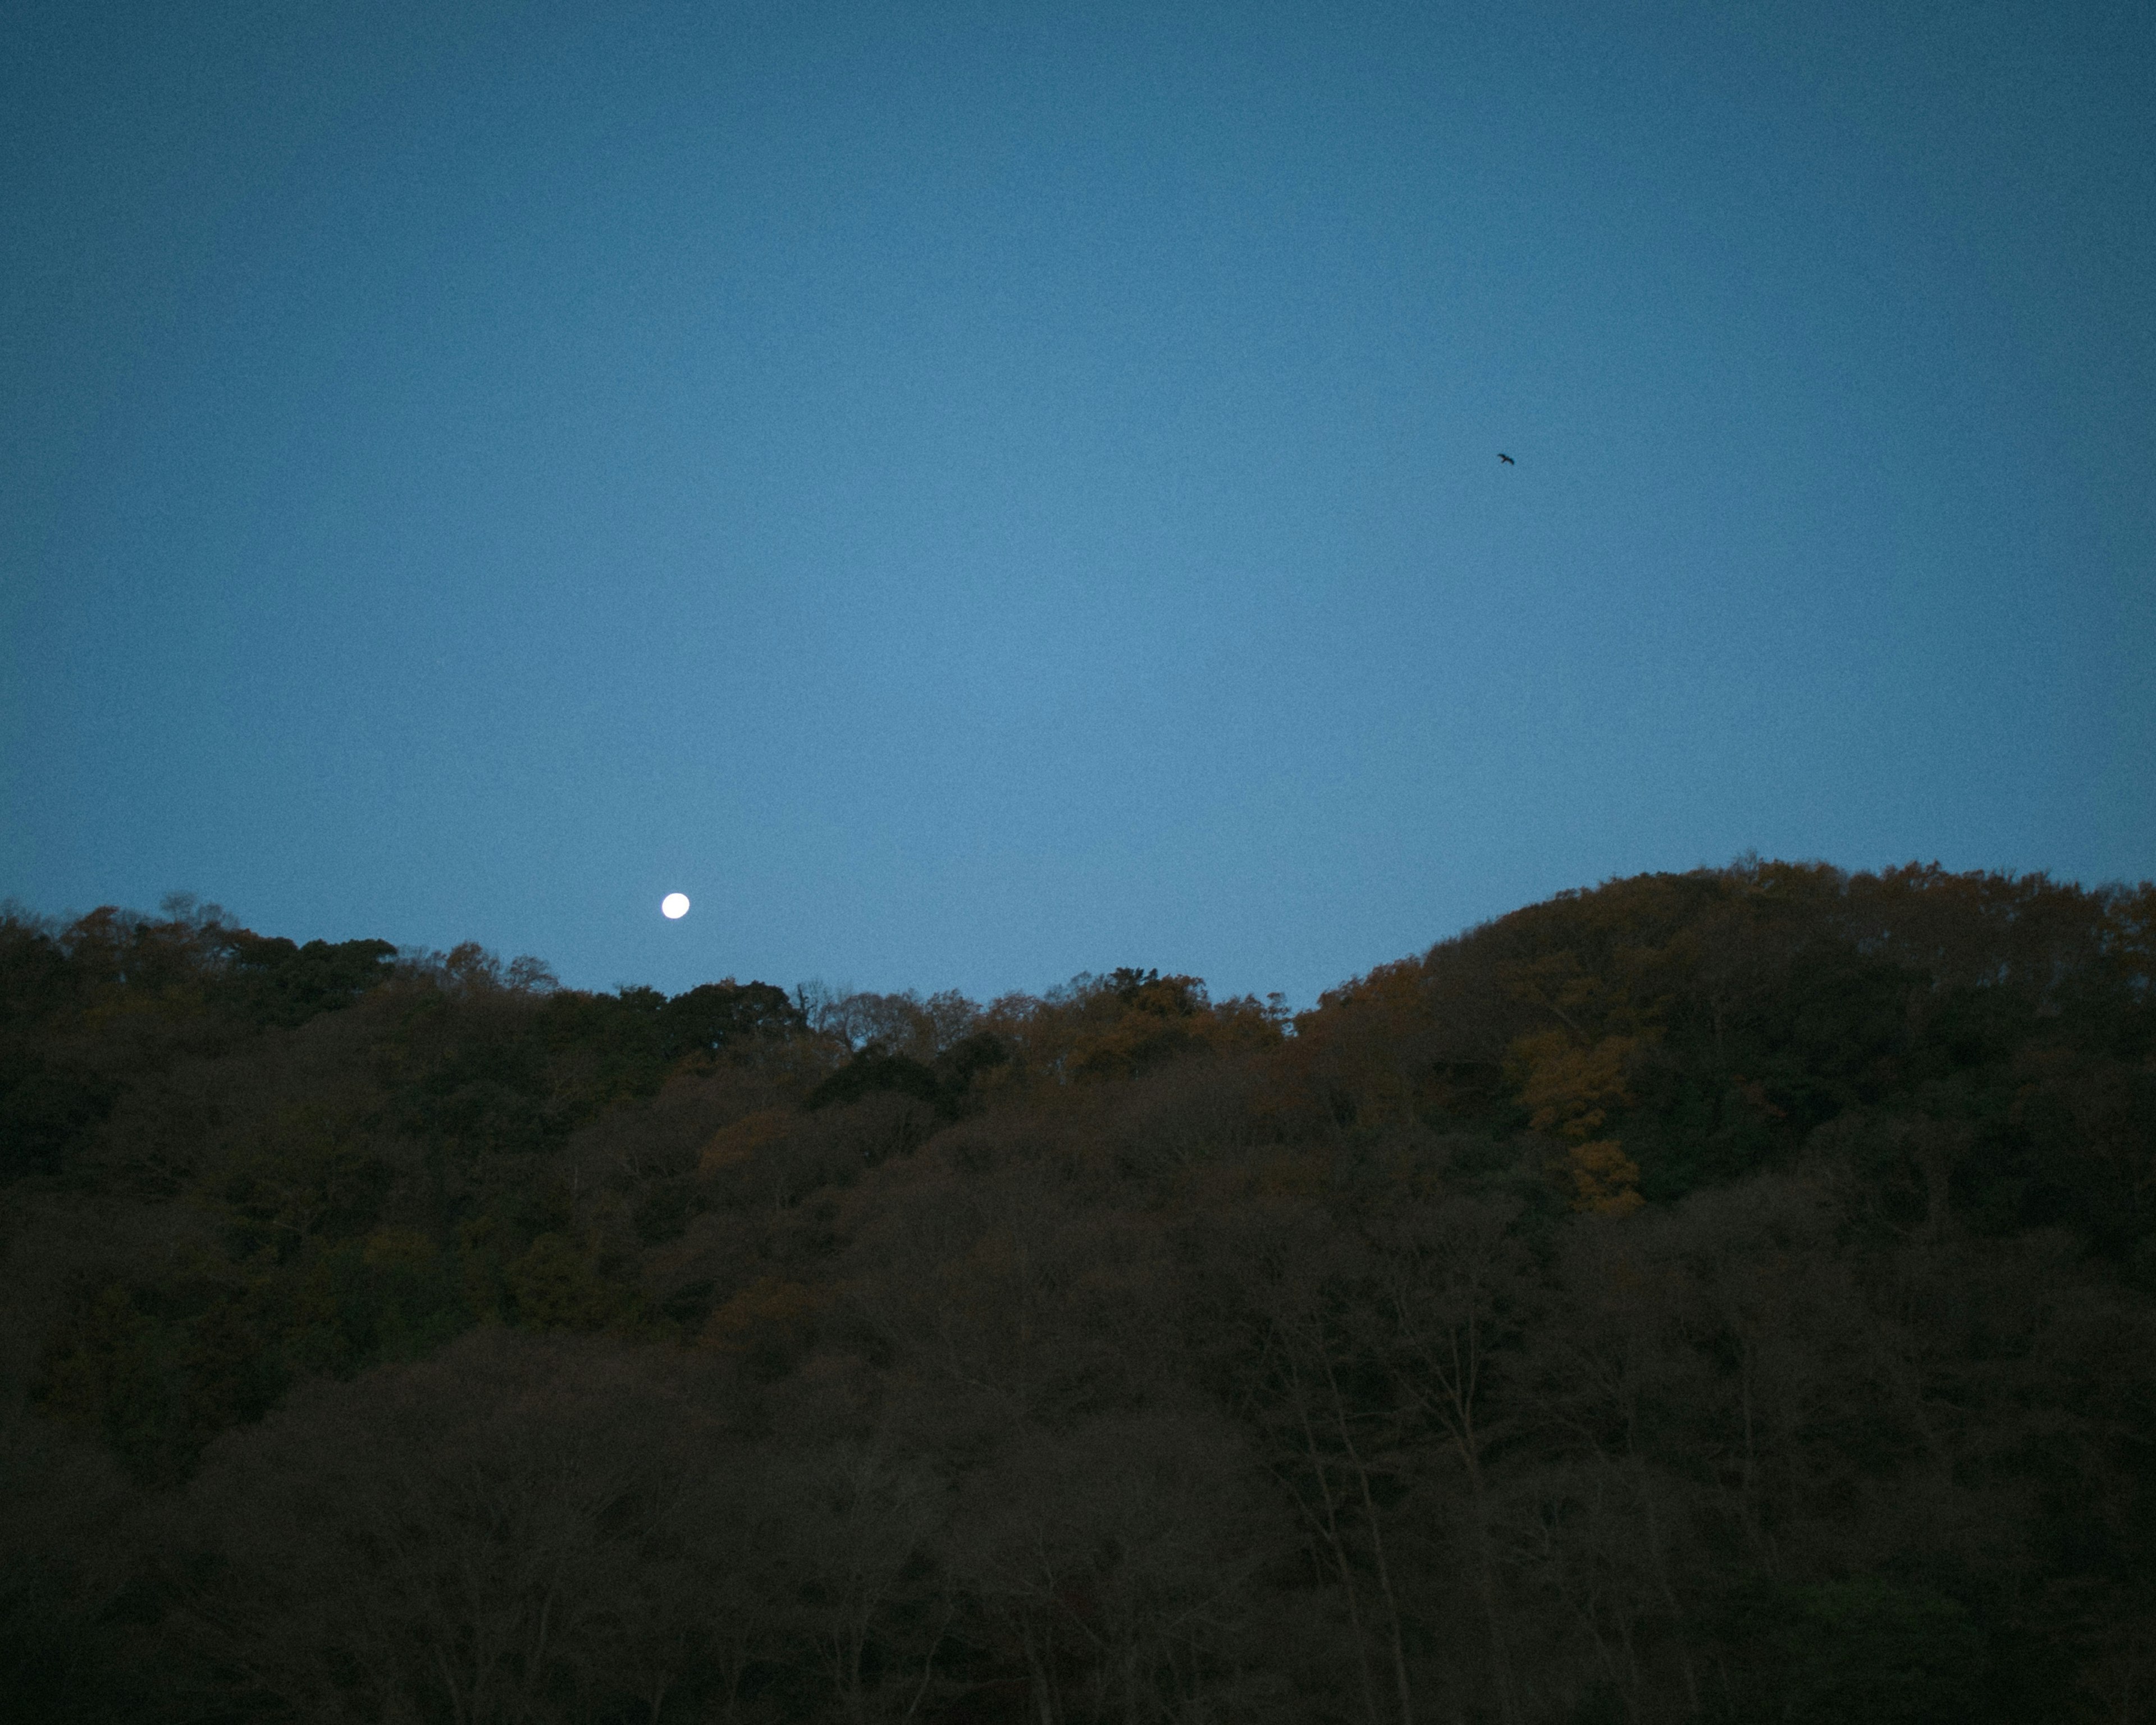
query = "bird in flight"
x=1506 y=460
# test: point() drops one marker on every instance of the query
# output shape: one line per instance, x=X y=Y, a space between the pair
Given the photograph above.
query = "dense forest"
x=1724 y=1297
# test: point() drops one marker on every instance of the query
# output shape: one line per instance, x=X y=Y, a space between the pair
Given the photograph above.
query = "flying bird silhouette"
x=1506 y=460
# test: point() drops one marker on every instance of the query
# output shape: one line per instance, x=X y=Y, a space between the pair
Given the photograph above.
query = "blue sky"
x=971 y=493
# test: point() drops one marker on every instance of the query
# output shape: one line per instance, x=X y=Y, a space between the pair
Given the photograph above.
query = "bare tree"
x=453 y=1539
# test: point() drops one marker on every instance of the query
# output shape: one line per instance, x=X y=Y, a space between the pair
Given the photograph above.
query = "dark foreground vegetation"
x=1724 y=1297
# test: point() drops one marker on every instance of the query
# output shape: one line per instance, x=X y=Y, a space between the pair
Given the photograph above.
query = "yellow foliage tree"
x=1605 y=1179
x=1570 y=1090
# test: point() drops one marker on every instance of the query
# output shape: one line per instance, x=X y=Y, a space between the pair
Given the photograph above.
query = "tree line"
x=1723 y=1296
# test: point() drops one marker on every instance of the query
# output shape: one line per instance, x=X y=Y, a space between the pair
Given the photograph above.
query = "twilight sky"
x=974 y=492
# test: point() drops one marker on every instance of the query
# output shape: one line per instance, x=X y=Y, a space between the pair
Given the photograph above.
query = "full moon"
x=675 y=905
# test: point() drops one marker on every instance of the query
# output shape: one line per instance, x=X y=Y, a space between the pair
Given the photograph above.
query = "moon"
x=675 y=905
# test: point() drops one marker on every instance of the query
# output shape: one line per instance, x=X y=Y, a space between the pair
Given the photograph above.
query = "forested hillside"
x=1728 y=1295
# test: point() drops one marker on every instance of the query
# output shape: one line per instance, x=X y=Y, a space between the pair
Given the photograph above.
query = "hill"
x=1724 y=1295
